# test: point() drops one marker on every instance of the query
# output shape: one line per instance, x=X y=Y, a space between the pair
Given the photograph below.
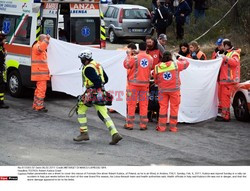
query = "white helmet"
x=85 y=54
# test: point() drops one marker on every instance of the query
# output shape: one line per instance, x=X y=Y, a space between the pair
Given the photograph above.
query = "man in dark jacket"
x=199 y=9
x=182 y=11
x=154 y=5
x=2 y=70
x=190 y=4
x=162 y=18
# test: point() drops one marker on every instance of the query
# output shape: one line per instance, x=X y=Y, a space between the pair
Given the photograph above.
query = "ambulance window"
x=8 y=25
x=23 y=35
x=85 y=30
x=49 y=26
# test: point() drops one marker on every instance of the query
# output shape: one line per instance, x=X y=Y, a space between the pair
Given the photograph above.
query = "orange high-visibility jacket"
x=156 y=55
x=200 y=54
x=166 y=75
x=39 y=65
x=230 y=67
x=214 y=55
x=139 y=68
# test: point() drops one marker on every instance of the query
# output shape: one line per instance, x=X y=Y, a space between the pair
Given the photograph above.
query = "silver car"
x=127 y=21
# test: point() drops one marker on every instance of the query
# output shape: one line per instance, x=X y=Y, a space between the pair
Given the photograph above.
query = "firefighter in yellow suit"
x=93 y=77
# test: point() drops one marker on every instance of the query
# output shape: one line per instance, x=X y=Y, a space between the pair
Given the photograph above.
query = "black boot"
x=115 y=139
x=43 y=110
x=221 y=119
x=84 y=136
x=3 y=106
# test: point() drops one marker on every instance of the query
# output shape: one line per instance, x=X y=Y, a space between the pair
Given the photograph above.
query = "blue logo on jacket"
x=144 y=63
x=167 y=76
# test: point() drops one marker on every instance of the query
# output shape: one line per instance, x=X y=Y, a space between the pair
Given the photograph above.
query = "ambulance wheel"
x=112 y=36
x=15 y=86
x=240 y=107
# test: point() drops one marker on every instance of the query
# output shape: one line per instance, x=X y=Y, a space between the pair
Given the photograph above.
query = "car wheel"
x=240 y=107
x=15 y=86
x=112 y=36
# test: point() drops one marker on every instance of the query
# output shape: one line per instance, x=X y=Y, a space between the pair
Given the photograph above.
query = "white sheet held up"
x=198 y=89
x=65 y=68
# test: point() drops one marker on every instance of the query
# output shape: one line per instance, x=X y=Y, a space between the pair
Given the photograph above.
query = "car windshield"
x=136 y=14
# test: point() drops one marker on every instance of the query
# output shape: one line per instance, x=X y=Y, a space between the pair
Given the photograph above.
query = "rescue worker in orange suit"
x=138 y=77
x=195 y=51
x=229 y=76
x=94 y=78
x=2 y=70
x=40 y=71
x=216 y=53
x=152 y=50
x=166 y=75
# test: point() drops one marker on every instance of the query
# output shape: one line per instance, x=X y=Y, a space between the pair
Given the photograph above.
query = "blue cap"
x=219 y=41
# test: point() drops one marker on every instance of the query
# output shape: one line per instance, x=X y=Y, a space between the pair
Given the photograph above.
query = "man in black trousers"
x=182 y=11
x=162 y=18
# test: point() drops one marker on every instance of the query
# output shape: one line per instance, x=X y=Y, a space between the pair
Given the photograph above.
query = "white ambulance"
x=74 y=21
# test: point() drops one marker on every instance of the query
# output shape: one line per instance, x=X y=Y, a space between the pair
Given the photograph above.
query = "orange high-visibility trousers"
x=219 y=97
x=224 y=99
x=134 y=94
x=164 y=99
x=39 y=95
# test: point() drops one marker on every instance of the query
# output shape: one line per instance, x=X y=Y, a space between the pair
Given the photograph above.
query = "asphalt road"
x=31 y=138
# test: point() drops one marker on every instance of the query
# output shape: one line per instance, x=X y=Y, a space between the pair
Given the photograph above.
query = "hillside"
x=234 y=26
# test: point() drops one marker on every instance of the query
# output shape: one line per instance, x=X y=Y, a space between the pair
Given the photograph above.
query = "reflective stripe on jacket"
x=99 y=71
x=166 y=75
x=39 y=65
x=230 y=68
x=139 y=68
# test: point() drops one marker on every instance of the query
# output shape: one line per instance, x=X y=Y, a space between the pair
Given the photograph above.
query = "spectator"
x=154 y=5
x=199 y=9
x=184 y=50
x=169 y=5
x=219 y=49
x=161 y=43
x=182 y=11
x=195 y=51
x=190 y=4
x=162 y=18
x=175 y=4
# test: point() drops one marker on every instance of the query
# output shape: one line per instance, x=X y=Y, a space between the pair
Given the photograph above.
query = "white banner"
x=199 y=95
